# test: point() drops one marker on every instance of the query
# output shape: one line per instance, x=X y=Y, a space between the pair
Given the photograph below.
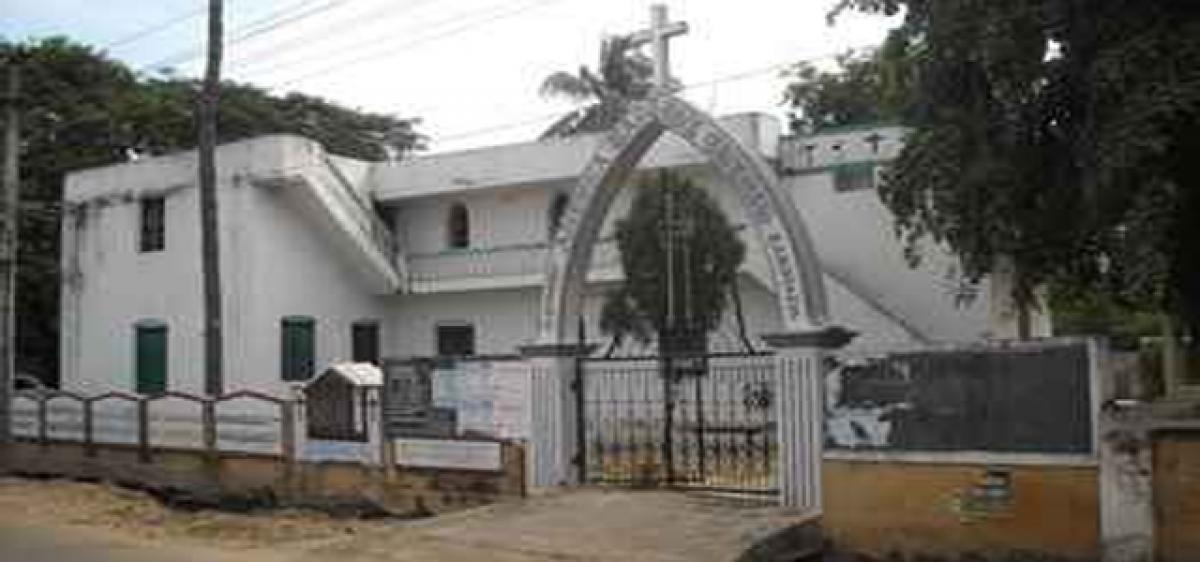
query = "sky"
x=470 y=69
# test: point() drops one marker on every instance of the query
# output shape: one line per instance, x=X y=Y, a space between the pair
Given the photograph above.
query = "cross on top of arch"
x=660 y=32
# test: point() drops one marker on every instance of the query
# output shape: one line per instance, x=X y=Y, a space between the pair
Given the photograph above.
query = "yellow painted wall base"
x=948 y=509
x=1177 y=496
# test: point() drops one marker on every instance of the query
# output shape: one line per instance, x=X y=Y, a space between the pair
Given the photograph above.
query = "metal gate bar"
x=702 y=422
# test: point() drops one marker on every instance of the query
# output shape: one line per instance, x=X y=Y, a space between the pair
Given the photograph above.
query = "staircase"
x=347 y=217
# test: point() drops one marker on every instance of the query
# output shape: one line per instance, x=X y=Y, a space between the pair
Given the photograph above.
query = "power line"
x=733 y=77
x=271 y=21
x=308 y=39
x=154 y=28
x=343 y=65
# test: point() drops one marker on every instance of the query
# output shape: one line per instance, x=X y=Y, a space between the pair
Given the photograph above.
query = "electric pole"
x=9 y=214
x=210 y=251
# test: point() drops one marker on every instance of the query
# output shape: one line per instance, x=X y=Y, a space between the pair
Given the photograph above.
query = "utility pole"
x=9 y=214
x=210 y=252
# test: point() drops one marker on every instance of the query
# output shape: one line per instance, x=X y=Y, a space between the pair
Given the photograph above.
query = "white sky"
x=469 y=68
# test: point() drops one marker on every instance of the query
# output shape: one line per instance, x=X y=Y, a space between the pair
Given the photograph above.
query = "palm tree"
x=622 y=75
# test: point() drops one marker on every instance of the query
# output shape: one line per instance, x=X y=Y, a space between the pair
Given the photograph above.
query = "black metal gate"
x=692 y=421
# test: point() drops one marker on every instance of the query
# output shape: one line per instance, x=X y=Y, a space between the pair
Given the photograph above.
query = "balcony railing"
x=516 y=264
x=525 y=264
x=366 y=219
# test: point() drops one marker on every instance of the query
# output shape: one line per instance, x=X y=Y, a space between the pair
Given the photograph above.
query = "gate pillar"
x=553 y=417
x=799 y=372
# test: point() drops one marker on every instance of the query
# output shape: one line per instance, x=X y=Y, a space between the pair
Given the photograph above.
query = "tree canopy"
x=621 y=76
x=81 y=109
x=1053 y=136
x=857 y=92
x=680 y=256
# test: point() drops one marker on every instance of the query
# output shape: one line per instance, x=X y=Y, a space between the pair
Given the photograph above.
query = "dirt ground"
x=56 y=520
x=135 y=520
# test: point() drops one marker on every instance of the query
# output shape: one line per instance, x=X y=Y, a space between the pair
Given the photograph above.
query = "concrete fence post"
x=208 y=427
x=800 y=410
x=143 y=414
x=374 y=426
x=89 y=429
x=387 y=452
x=288 y=411
x=42 y=420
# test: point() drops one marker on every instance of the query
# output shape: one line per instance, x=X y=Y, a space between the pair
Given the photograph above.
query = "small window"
x=298 y=348
x=364 y=341
x=854 y=177
x=557 y=207
x=458 y=227
x=456 y=340
x=153 y=228
x=150 y=350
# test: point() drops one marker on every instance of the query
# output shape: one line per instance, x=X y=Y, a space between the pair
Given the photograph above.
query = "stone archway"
x=799 y=285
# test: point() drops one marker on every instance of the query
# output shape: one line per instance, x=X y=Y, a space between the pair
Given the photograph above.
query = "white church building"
x=326 y=259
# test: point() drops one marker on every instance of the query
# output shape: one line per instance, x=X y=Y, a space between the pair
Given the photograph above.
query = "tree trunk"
x=740 y=315
x=209 y=236
x=1024 y=322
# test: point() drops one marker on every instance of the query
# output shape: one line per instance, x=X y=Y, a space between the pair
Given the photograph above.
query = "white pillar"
x=373 y=417
x=800 y=409
x=1126 y=485
x=552 y=443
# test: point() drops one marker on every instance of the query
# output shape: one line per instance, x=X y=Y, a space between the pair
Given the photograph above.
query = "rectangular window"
x=364 y=341
x=298 y=348
x=153 y=237
x=151 y=358
x=854 y=177
x=456 y=340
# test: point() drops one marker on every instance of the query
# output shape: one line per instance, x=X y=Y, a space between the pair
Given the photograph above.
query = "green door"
x=298 y=348
x=151 y=359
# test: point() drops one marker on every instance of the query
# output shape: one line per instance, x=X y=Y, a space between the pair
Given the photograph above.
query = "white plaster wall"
x=119 y=286
x=293 y=269
x=274 y=263
x=853 y=232
x=503 y=320
x=544 y=161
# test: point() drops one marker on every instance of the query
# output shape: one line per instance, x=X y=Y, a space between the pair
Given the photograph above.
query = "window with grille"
x=152 y=237
x=854 y=177
x=455 y=340
x=557 y=207
x=458 y=227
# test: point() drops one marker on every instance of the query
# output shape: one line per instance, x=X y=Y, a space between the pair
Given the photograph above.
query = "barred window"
x=458 y=227
x=153 y=228
x=854 y=177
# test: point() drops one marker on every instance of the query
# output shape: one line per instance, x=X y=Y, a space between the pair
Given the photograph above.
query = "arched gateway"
x=558 y=430
x=798 y=282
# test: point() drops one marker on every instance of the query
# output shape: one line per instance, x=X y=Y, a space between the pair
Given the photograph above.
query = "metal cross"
x=660 y=31
x=874 y=139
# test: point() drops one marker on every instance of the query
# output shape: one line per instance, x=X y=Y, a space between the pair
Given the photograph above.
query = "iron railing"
x=699 y=422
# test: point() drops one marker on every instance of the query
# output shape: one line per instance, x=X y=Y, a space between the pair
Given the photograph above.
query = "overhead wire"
x=251 y=59
x=154 y=28
x=393 y=50
x=732 y=77
x=269 y=22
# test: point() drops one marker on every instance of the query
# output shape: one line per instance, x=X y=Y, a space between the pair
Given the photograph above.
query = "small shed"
x=337 y=401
